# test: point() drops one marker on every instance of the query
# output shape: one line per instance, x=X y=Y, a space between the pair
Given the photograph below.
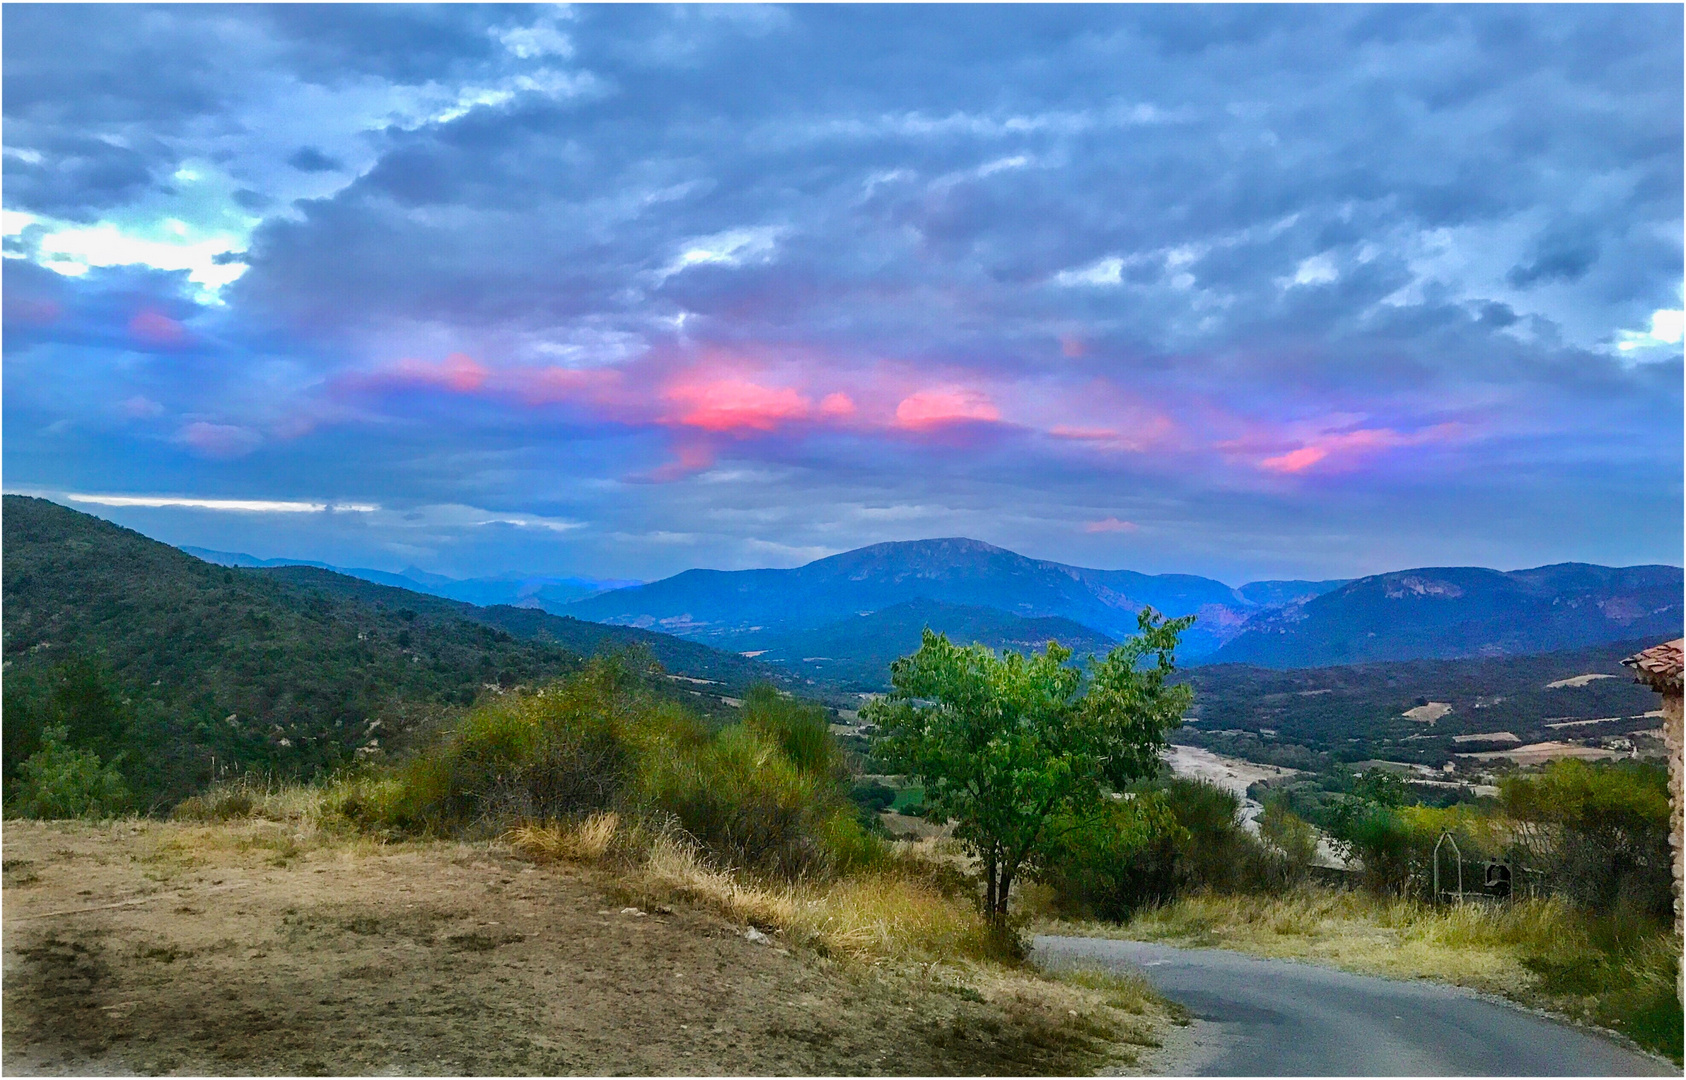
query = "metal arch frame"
x=1446 y=836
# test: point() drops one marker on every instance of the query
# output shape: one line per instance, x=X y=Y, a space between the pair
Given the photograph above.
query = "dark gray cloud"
x=310 y=159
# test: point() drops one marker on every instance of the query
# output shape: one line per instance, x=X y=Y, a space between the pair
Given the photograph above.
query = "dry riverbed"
x=158 y=947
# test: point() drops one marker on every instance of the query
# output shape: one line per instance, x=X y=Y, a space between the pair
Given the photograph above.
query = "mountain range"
x=729 y=607
x=848 y=614
x=1459 y=611
x=841 y=619
x=854 y=653
x=517 y=590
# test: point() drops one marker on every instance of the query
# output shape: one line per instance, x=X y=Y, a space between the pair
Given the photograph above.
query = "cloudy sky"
x=619 y=291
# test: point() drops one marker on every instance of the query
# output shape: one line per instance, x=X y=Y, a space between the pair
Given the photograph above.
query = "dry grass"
x=892 y=922
x=880 y=914
x=884 y=914
x=587 y=841
x=276 y=821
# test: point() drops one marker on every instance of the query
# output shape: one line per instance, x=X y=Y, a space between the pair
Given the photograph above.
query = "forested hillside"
x=1360 y=711
x=731 y=670
x=176 y=667
x=855 y=654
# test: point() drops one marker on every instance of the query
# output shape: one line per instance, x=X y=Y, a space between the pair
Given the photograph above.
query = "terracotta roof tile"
x=1660 y=665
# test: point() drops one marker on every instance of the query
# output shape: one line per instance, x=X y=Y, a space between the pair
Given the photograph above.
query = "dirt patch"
x=1576 y=681
x=1542 y=752
x=1230 y=773
x=1427 y=714
x=168 y=948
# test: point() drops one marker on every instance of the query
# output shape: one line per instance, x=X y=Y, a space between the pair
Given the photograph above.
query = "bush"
x=1218 y=854
x=748 y=803
x=1599 y=832
x=1121 y=861
x=59 y=781
x=214 y=806
x=799 y=728
x=1293 y=838
x=873 y=797
x=768 y=793
x=1165 y=838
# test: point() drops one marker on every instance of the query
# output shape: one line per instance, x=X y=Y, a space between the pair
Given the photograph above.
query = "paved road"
x=1280 y=1018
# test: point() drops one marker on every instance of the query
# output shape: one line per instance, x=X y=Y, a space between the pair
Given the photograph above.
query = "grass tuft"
x=586 y=842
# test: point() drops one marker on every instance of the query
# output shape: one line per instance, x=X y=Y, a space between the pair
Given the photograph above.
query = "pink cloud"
x=458 y=372
x=220 y=440
x=1341 y=449
x=156 y=328
x=948 y=405
x=837 y=406
x=1295 y=460
x=1110 y=525
x=1073 y=346
x=690 y=458
x=1062 y=431
x=736 y=405
x=1145 y=430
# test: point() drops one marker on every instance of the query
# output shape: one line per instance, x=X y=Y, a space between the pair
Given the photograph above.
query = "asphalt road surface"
x=1282 y=1018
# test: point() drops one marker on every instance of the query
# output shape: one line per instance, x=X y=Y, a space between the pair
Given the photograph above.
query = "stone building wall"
x=1676 y=741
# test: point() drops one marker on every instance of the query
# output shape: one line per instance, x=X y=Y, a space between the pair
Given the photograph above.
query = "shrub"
x=1292 y=837
x=769 y=793
x=873 y=796
x=1218 y=854
x=747 y=802
x=1124 y=859
x=799 y=728
x=416 y=797
x=59 y=781
x=214 y=806
x=1167 y=837
x=1600 y=832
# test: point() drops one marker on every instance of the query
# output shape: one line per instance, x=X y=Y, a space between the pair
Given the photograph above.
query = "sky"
x=619 y=291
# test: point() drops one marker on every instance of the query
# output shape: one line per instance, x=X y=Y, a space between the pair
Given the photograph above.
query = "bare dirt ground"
x=152 y=947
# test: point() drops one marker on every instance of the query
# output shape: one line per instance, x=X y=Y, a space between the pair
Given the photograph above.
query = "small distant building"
x=1659 y=667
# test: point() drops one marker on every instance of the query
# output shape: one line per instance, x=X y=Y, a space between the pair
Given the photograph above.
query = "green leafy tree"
x=60 y=781
x=1019 y=749
x=1381 y=787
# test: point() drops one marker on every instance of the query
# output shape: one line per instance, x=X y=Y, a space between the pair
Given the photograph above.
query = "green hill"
x=183 y=667
x=855 y=653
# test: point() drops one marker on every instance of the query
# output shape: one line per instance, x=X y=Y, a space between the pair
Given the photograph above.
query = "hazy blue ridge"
x=522 y=590
x=1450 y=612
x=731 y=607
